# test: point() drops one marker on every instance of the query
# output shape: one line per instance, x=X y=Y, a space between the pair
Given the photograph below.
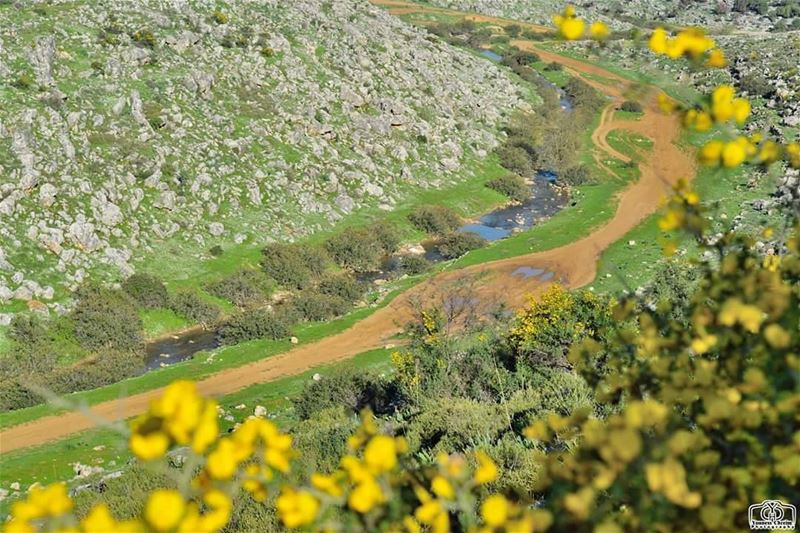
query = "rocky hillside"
x=743 y=15
x=128 y=124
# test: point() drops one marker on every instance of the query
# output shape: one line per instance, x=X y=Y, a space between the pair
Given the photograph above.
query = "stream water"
x=177 y=348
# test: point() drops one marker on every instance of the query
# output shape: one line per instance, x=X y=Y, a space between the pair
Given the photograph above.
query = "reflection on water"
x=491 y=55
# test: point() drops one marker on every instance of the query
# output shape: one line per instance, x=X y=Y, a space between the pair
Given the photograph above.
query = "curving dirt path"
x=574 y=264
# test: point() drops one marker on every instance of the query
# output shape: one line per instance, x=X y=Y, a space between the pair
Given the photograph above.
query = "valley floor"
x=574 y=264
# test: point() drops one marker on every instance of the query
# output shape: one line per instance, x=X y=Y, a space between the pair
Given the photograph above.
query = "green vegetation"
x=510 y=185
x=435 y=219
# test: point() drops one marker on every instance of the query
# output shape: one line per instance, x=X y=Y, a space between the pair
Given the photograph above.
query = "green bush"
x=322 y=439
x=342 y=286
x=315 y=306
x=254 y=324
x=356 y=249
x=104 y=368
x=515 y=158
x=293 y=265
x=511 y=185
x=28 y=330
x=144 y=37
x=243 y=288
x=147 y=290
x=387 y=236
x=350 y=388
x=756 y=85
x=631 y=106
x=190 y=306
x=414 y=264
x=457 y=244
x=435 y=219
x=106 y=319
x=577 y=175
x=23 y=82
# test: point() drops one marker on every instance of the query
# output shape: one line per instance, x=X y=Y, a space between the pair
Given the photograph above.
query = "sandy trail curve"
x=573 y=264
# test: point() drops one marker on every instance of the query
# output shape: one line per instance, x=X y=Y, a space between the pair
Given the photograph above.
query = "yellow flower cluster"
x=754 y=149
x=180 y=416
x=723 y=107
x=692 y=43
x=571 y=27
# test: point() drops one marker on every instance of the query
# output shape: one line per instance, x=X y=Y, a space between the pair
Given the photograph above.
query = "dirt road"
x=574 y=263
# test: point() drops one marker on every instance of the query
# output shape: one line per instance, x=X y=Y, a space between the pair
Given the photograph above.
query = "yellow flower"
x=442 y=488
x=716 y=59
x=296 y=508
x=734 y=311
x=365 y=496
x=672 y=219
x=669 y=478
x=704 y=343
x=580 y=503
x=666 y=104
x=734 y=154
x=658 y=41
x=428 y=512
x=741 y=110
x=599 y=30
x=223 y=462
x=711 y=153
x=769 y=152
x=327 y=484
x=703 y=122
x=572 y=28
x=164 y=509
x=495 y=510
x=777 y=337
x=793 y=154
x=149 y=447
x=219 y=510
x=380 y=455
x=486 y=471
x=99 y=520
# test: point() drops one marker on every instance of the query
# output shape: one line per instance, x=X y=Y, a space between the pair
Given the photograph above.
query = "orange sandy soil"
x=575 y=264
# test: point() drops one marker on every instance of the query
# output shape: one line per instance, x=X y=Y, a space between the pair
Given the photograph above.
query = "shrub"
x=103 y=369
x=630 y=106
x=544 y=331
x=756 y=85
x=350 y=388
x=512 y=186
x=147 y=290
x=254 y=324
x=357 y=249
x=106 y=319
x=144 y=37
x=220 y=17
x=342 y=286
x=457 y=244
x=23 y=82
x=414 y=264
x=435 y=219
x=387 y=236
x=515 y=158
x=577 y=175
x=293 y=265
x=322 y=439
x=28 y=330
x=243 y=288
x=190 y=306
x=554 y=67
x=315 y=306
x=515 y=57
